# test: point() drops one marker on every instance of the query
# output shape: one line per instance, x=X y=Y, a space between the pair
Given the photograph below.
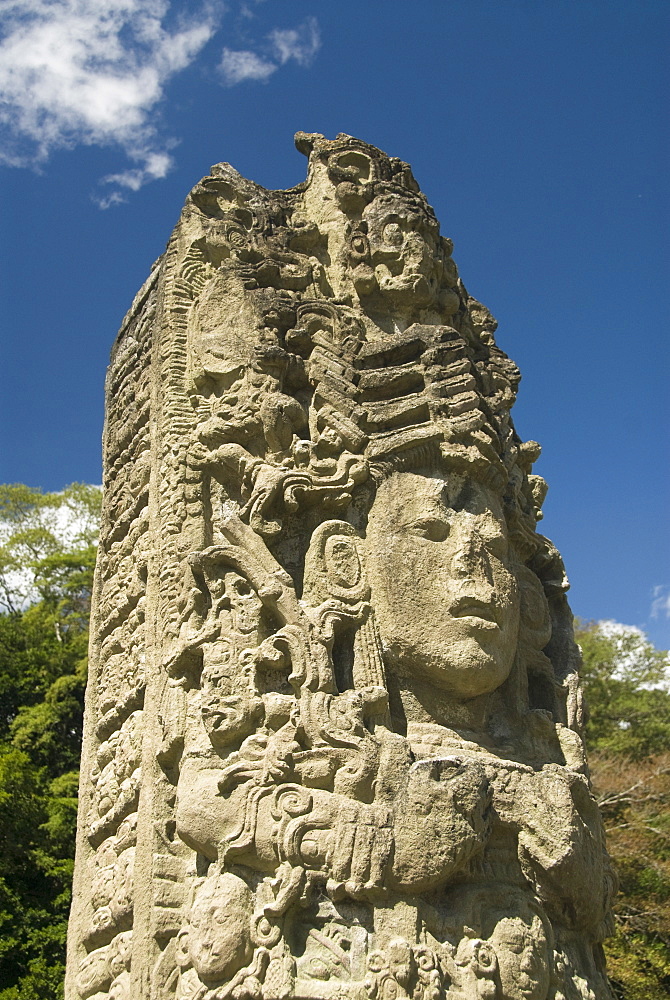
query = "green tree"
x=47 y=544
x=628 y=737
x=47 y=555
x=625 y=680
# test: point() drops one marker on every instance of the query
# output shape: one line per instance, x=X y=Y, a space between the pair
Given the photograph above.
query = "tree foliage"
x=625 y=682
x=628 y=735
x=47 y=545
x=47 y=554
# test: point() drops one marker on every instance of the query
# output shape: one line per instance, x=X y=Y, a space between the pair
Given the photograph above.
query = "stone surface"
x=333 y=722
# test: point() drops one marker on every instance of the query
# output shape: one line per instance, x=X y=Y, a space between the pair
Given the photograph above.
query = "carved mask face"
x=403 y=248
x=218 y=928
x=522 y=951
x=446 y=602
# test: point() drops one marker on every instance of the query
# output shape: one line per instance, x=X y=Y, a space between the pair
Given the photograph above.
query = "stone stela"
x=332 y=746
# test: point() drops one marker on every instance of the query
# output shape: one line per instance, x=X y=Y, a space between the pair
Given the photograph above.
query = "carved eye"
x=359 y=246
x=436 y=529
x=393 y=234
x=516 y=944
x=497 y=544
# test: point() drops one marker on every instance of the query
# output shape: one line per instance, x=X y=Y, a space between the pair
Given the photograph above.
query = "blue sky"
x=535 y=127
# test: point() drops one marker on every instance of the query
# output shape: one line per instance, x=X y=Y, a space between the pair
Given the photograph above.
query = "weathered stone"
x=332 y=737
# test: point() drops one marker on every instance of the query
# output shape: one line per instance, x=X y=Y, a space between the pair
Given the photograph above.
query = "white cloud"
x=301 y=43
x=282 y=44
x=660 y=605
x=241 y=64
x=94 y=72
x=156 y=166
x=616 y=630
x=90 y=72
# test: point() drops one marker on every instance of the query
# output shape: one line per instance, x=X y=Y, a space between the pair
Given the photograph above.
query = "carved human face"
x=445 y=600
x=218 y=928
x=520 y=944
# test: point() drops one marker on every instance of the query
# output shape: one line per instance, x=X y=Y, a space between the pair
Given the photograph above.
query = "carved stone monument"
x=332 y=745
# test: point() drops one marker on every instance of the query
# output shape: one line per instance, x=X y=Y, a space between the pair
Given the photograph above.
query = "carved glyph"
x=333 y=725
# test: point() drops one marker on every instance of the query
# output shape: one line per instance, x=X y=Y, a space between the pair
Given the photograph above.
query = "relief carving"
x=336 y=685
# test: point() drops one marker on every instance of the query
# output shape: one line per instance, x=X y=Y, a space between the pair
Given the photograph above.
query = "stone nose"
x=469 y=557
x=470 y=565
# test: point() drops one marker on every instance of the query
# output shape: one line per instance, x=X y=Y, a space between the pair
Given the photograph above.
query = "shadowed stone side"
x=332 y=745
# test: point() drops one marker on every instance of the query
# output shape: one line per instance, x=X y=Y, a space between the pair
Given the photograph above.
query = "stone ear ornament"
x=333 y=730
x=333 y=565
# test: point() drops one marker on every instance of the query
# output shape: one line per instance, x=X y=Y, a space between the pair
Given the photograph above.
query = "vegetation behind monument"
x=42 y=677
x=47 y=555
